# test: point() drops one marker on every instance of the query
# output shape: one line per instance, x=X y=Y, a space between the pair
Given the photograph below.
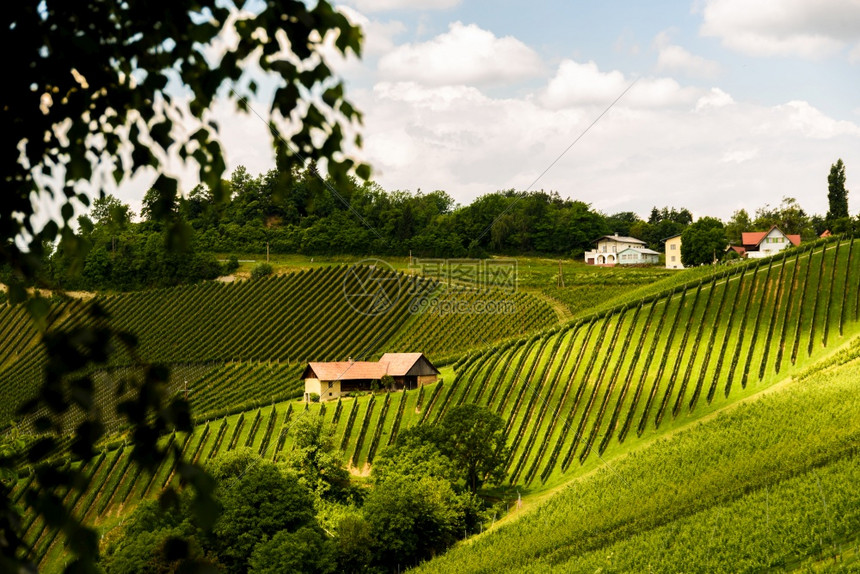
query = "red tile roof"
x=393 y=364
x=753 y=237
x=346 y=370
x=399 y=364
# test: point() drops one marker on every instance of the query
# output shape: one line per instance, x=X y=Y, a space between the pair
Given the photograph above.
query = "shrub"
x=261 y=270
x=314 y=398
x=231 y=265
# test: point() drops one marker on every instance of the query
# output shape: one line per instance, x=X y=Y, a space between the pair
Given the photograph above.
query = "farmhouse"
x=334 y=379
x=608 y=247
x=759 y=244
x=673 y=252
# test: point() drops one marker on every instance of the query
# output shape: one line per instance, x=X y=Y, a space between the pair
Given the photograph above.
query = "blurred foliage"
x=98 y=92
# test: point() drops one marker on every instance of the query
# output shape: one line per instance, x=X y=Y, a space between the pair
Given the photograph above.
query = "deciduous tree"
x=703 y=242
x=473 y=437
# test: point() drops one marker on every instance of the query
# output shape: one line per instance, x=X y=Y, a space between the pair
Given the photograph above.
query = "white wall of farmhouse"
x=773 y=243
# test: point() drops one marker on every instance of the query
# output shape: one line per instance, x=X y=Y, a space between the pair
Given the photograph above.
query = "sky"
x=718 y=104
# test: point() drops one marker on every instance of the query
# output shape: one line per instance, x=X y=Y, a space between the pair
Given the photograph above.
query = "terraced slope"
x=322 y=314
x=768 y=485
x=664 y=360
x=591 y=387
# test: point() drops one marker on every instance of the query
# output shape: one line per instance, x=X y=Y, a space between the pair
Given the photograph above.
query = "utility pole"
x=559 y=282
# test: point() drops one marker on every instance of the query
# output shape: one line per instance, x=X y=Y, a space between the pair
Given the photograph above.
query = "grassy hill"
x=770 y=483
x=587 y=398
x=247 y=341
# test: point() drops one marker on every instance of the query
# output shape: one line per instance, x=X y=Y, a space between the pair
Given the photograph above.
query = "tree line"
x=294 y=211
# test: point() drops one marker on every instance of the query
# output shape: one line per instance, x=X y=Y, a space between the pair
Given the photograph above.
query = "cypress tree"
x=837 y=195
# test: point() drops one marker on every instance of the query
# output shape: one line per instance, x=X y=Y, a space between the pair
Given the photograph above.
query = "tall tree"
x=703 y=242
x=474 y=439
x=837 y=195
x=737 y=225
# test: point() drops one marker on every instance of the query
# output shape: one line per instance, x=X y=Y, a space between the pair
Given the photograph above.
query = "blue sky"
x=738 y=103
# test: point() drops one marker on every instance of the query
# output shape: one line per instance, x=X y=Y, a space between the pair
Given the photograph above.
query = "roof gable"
x=642 y=250
x=754 y=238
x=403 y=364
x=620 y=239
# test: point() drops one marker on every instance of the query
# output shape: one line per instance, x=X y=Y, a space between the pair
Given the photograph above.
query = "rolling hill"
x=247 y=341
x=644 y=421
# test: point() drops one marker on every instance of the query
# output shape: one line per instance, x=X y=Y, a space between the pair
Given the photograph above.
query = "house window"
x=673 y=247
x=673 y=258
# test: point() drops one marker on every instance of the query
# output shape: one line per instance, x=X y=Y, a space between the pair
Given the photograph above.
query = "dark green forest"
x=174 y=241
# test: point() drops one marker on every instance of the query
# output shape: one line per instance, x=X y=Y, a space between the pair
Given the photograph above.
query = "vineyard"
x=250 y=337
x=742 y=492
x=362 y=426
x=570 y=396
x=663 y=360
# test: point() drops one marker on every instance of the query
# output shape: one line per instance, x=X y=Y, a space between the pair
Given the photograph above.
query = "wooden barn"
x=333 y=379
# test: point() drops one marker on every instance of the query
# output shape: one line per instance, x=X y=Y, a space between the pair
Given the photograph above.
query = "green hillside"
x=768 y=484
x=247 y=341
x=580 y=401
x=663 y=361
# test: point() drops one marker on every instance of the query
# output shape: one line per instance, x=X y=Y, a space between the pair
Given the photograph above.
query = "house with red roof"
x=760 y=244
x=331 y=380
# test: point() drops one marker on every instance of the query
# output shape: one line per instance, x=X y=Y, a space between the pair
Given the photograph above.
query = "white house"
x=760 y=244
x=608 y=247
x=641 y=256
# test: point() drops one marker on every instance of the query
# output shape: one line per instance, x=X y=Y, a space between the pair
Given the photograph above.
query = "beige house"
x=673 y=252
x=608 y=247
x=333 y=379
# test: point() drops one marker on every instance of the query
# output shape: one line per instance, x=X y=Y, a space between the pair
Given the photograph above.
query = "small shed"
x=332 y=379
x=410 y=370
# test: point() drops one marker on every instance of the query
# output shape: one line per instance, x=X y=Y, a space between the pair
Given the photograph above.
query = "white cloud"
x=674 y=58
x=584 y=84
x=798 y=116
x=716 y=98
x=714 y=157
x=388 y=5
x=784 y=27
x=378 y=35
x=739 y=155
x=466 y=54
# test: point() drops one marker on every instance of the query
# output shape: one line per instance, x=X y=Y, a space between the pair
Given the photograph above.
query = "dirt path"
x=561 y=311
